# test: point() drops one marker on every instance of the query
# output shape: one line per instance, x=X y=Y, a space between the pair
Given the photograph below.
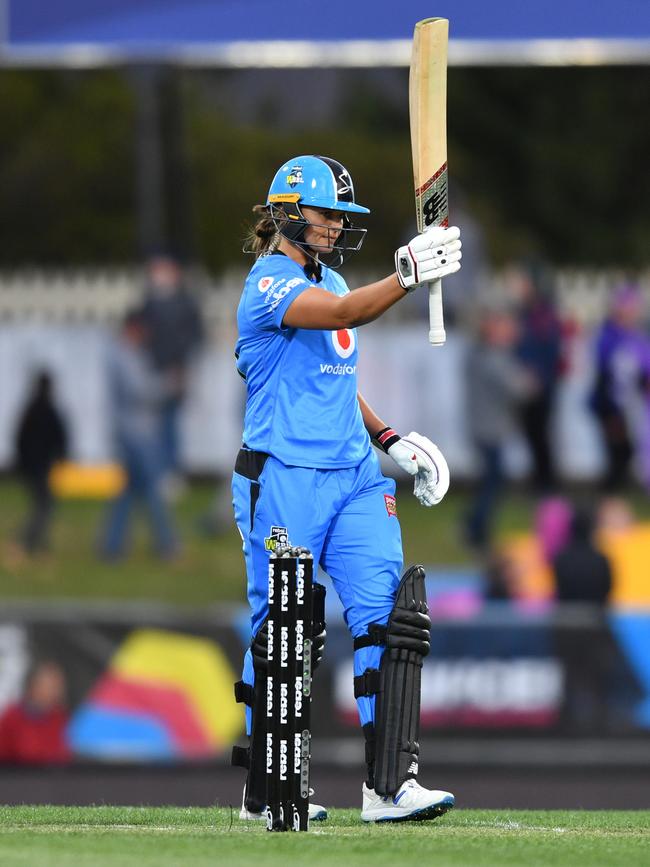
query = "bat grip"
x=437 y=334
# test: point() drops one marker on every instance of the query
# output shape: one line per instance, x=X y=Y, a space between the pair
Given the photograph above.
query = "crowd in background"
x=518 y=351
x=147 y=370
x=515 y=363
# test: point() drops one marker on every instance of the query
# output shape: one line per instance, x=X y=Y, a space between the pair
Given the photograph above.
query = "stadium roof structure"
x=304 y=33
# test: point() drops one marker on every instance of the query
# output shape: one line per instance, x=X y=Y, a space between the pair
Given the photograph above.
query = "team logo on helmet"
x=344 y=342
x=344 y=184
x=295 y=176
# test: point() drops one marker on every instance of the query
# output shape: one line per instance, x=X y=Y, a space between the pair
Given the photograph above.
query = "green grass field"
x=171 y=837
x=210 y=569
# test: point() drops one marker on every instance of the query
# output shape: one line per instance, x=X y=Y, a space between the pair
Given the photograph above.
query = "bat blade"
x=428 y=116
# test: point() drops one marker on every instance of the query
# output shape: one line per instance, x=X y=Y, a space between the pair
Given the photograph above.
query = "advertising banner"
x=161 y=689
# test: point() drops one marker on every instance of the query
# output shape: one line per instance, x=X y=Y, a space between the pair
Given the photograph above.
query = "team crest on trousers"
x=277 y=538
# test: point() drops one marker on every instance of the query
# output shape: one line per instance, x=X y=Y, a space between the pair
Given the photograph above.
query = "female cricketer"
x=307 y=473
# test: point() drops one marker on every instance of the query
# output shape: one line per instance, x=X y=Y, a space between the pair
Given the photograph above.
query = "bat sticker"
x=431 y=201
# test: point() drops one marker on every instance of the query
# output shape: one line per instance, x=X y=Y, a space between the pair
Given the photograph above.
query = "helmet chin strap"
x=313 y=268
x=335 y=256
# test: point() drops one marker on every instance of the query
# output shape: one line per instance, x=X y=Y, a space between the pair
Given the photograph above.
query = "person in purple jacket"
x=621 y=385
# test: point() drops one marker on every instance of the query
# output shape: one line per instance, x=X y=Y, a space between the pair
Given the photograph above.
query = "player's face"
x=324 y=229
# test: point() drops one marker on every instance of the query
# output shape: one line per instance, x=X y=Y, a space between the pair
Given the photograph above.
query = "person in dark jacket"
x=583 y=575
x=582 y=572
x=539 y=350
x=41 y=441
x=174 y=325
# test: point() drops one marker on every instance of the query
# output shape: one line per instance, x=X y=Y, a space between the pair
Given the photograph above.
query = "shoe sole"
x=423 y=815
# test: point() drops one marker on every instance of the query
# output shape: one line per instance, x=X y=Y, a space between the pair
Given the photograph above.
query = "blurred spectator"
x=32 y=731
x=218 y=519
x=582 y=573
x=614 y=514
x=496 y=385
x=621 y=382
x=174 y=325
x=553 y=518
x=538 y=348
x=41 y=441
x=138 y=394
x=501 y=578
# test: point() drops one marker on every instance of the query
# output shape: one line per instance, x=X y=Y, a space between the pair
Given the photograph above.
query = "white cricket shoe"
x=410 y=803
x=316 y=812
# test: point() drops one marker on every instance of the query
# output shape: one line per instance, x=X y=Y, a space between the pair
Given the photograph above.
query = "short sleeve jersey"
x=301 y=405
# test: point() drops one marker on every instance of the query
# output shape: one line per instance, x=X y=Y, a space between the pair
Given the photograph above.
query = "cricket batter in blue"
x=307 y=473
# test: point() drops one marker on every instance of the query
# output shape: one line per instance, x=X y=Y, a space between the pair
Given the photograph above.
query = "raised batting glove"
x=430 y=256
x=419 y=457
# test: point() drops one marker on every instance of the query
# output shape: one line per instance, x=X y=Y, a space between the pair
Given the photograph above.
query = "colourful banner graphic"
x=164 y=695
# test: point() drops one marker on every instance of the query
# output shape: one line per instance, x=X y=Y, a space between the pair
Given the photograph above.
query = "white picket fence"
x=104 y=295
x=63 y=320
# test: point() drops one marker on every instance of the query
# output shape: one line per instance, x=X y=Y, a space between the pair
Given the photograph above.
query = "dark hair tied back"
x=262 y=237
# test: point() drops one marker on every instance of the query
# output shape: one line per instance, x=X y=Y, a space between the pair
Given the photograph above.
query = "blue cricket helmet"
x=317 y=182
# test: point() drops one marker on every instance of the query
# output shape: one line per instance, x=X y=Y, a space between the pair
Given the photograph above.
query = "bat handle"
x=437 y=334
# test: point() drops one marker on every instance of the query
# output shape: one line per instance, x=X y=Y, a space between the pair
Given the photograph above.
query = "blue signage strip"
x=173 y=22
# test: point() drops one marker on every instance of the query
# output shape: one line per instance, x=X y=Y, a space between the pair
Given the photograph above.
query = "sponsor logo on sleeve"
x=391 y=505
x=295 y=281
x=278 y=290
x=265 y=284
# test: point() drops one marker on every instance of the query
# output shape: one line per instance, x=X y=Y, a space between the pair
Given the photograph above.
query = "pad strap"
x=244 y=693
x=376 y=637
x=241 y=757
x=368 y=683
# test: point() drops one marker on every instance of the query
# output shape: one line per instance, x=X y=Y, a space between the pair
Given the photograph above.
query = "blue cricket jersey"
x=301 y=405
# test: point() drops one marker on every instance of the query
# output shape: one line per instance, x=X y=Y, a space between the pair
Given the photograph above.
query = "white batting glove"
x=430 y=256
x=419 y=457
x=432 y=480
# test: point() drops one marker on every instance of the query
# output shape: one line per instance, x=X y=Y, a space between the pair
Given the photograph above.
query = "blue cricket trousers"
x=347 y=519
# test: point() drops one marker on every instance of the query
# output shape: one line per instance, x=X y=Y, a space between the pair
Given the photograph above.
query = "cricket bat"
x=428 y=115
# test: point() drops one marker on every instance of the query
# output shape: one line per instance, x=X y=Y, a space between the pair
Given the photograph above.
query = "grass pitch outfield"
x=173 y=837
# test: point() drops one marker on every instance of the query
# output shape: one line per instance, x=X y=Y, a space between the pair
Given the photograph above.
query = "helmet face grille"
x=349 y=240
